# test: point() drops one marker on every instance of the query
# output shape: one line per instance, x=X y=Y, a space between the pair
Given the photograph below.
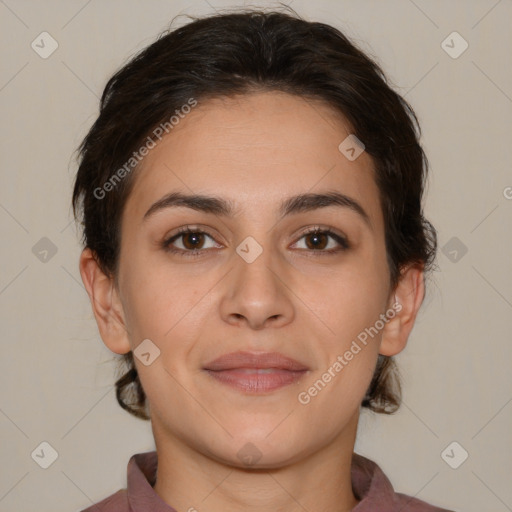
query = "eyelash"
x=166 y=244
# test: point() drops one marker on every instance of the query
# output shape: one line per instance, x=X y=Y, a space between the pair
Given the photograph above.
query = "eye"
x=317 y=240
x=189 y=242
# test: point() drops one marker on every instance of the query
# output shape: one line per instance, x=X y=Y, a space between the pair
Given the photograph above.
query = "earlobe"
x=105 y=303
x=406 y=301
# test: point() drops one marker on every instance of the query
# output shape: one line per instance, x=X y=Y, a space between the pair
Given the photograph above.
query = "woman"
x=255 y=248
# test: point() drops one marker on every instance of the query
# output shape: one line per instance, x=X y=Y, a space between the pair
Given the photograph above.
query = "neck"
x=190 y=481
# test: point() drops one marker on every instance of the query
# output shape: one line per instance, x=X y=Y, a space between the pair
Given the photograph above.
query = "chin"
x=262 y=451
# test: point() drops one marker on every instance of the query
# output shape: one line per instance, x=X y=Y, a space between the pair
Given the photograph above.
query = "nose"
x=256 y=294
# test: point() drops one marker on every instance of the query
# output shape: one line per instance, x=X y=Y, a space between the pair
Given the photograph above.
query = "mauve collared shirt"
x=369 y=484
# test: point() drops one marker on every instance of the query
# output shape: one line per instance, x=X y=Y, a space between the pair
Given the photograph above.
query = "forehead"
x=254 y=150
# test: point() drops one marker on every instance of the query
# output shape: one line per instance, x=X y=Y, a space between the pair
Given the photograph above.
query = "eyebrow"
x=296 y=204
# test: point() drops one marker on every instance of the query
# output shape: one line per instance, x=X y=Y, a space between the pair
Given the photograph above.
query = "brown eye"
x=190 y=242
x=316 y=241
x=193 y=240
x=323 y=241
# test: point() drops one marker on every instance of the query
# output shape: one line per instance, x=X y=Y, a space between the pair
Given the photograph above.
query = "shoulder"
x=375 y=492
x=141 y=472
x=411 y=504
x=117 y=502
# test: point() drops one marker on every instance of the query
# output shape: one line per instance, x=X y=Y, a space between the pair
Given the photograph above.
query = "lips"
x=255 y=360
x=254 y=372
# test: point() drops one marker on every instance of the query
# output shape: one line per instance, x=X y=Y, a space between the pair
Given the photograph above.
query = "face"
x=252 y=277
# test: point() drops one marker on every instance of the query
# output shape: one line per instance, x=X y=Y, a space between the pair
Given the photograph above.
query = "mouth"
x=256 y=372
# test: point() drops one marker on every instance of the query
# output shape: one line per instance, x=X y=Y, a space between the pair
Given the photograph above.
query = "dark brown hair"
x=234 y=53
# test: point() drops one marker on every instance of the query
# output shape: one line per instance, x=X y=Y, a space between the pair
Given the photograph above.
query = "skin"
x=253 y=150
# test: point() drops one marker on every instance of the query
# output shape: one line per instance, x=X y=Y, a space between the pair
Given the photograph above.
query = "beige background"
x=57 y=376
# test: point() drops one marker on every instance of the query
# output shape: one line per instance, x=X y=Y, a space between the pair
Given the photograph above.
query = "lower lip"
x=254 y=381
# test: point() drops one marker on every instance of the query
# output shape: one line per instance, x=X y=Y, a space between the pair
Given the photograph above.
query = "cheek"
x=350 y=299
x=164 y=303
x=349 y=304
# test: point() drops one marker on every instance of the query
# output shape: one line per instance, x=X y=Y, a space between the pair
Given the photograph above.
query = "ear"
x=405 y=301
x=106 y=305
